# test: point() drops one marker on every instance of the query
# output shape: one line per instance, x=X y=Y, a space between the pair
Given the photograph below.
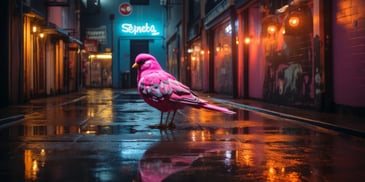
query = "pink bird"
x=162 y=91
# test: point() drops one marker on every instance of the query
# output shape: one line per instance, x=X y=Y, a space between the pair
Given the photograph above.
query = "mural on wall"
x=287 y=36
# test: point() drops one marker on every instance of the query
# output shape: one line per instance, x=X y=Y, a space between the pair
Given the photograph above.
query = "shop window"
x=223 y=59
x=197 y=61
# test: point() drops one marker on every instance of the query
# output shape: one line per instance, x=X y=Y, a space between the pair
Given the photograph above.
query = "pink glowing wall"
x=56 y=16
x=349 y=52
x=256 y=57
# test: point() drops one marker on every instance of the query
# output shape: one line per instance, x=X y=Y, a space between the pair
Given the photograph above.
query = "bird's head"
x=146 y=61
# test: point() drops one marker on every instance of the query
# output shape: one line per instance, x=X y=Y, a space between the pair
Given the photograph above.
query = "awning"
x=53 y=29
x=48 y=27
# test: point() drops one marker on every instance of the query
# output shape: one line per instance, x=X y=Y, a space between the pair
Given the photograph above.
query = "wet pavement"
x=108 y=135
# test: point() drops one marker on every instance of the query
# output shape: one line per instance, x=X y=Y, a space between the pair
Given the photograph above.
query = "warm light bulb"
x=34 y=29
x=271 y=29
x=294 y=21
x=247 y=40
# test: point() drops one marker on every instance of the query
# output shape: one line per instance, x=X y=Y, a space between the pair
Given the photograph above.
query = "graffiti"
x=292 y=75
x=288 y=49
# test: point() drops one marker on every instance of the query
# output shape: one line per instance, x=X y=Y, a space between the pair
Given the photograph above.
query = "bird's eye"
x=142 y=62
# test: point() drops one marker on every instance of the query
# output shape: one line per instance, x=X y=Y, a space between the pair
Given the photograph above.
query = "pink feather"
x=163 y=91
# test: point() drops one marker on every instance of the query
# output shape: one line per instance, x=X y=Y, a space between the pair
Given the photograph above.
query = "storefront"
x=221 y=33
x=51 y=58
x=280 y=55
x=123 y=29
x=222 y=59
x=138 y=28
x=34 y=63
x=98 y=71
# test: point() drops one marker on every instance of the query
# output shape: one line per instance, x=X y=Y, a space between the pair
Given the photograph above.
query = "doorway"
x=136 y=47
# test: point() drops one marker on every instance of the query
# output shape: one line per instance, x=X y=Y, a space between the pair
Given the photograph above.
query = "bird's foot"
x=171 y=126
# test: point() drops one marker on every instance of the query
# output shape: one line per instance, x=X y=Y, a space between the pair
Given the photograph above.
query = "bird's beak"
x=135 y=65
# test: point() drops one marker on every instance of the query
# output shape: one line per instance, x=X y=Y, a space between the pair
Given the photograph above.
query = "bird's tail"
x=217 y=108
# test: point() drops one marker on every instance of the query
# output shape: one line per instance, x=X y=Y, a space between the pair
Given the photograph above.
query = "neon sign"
x=145 y=29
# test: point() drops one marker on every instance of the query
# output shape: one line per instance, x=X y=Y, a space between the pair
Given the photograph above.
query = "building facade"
x=301 y=53
x=122 y=29
x=42 y=49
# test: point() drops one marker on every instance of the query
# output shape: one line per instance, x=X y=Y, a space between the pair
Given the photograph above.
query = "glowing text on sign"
x=145 y=29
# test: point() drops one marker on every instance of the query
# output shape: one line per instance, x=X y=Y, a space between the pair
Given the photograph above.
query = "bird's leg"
x=161 y=119
x=167 y=118
x=172 y=125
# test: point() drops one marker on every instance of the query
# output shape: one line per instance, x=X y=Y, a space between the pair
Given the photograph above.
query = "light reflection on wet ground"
x=106 y=137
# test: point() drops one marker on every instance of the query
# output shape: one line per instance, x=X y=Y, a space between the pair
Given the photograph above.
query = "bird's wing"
x=159 y=86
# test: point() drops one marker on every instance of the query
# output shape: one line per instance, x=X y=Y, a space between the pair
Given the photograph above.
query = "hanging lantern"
x=271 y=28
x=294 y=21
x=299 y=21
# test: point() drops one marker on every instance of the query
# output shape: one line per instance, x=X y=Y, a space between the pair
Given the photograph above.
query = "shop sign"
x=125 y=9
x=146 y=29
x=90 y=45
x=98 y=33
